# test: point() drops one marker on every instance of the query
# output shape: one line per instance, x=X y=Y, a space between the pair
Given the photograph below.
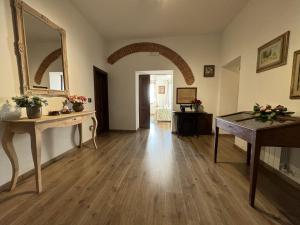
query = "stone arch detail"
x=162 y=50
x=45 y=64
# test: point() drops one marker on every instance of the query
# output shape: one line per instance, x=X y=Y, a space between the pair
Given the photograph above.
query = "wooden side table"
x=35 y=127
x=283 y=132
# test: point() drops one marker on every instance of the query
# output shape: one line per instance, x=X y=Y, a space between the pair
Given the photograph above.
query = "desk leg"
x=95 y=125
x=80 y=135
x=248 y=153
x=7 y=142
x=36 y=155
x=216 y=143
x=255 y=153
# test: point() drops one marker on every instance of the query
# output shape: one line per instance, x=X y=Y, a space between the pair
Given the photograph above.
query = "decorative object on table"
x=197 y=104
x=295 y=85
x=66 y=110
x=273 y=54
x=209 y=70
x=185 y=95
x=183 y=107
x=269 y=113
x=77 y=102
x=54 y=113
x=33 y=105
x=161 y=90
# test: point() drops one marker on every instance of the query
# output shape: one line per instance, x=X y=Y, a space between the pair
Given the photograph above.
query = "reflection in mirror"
x=44 y=54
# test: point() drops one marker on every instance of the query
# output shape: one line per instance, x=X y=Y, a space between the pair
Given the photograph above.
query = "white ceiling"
x=117 y=19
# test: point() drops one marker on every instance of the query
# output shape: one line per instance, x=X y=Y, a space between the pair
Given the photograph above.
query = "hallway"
x=150 y=177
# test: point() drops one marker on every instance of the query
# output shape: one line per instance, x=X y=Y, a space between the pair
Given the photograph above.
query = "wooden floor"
x=151 y=178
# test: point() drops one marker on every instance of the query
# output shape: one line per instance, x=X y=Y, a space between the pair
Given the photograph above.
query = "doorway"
x=101 y=99
x=154 y=99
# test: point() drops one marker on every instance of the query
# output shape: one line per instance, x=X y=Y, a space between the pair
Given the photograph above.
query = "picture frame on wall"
x=209 y=70
x=295 y=82
x=273 y=54
x=186 y=95
x=161 y=90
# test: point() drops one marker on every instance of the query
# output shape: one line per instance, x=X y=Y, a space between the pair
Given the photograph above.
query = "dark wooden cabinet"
x=193 y=123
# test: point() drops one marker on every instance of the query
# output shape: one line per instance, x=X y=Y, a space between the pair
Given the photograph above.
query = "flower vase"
x=78 y=107
x=34 y=112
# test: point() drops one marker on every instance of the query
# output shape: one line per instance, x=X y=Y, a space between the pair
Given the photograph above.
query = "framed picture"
x=161 y=90
x=186 y=95
x=209 y=70
x=295 y=85
x=273 y=54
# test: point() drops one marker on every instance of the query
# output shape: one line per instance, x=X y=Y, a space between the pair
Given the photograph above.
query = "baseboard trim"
x=274 y=171
x=30 y=173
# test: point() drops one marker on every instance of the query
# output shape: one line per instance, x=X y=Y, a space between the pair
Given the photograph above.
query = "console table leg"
x=36 y=155
x=216 y=143
x=248 y=153
x=255 y=153
x=7 y=142
x=80 y=135
x=95 y=125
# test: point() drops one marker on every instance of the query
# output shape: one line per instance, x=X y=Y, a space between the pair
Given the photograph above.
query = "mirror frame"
x=21 y=7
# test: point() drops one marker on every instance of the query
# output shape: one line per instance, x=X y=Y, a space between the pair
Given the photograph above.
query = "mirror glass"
x=44 y=54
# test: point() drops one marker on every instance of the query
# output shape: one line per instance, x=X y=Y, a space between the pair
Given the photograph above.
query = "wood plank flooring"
x=151 y=178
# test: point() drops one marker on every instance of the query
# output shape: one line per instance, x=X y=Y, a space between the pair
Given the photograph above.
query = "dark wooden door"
x=144 y=101
x=101 y=100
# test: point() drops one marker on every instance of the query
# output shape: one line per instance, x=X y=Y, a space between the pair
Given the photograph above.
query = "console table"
x=35 y=127
x=193 y=123
x=283 y=132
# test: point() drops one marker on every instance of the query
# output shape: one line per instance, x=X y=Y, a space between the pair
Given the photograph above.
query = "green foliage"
x=269 y=113
x=26 y=101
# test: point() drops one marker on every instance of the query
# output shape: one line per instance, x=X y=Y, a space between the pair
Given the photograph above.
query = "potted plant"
x=196 y=104
x=269 y=113
x=77 y=102
x=33 y=105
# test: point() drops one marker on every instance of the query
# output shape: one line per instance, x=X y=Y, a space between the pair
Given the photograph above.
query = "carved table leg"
x=216 y=143
x=95 y=125
x=7 y=142
x=255 y=153
x=35 y=135
x=80 y=134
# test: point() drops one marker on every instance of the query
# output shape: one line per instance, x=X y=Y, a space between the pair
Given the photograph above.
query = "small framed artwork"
x=186 y=95
x=209 y=70
x=295 y=84
x=161 y=90
x=273 y=54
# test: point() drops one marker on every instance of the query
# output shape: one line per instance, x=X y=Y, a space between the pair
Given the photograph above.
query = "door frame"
x=96 y=72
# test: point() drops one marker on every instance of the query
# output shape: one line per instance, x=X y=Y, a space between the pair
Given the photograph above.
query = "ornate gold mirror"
x=42 y=53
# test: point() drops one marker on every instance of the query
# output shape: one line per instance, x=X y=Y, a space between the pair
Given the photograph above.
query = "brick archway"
x=153 y=47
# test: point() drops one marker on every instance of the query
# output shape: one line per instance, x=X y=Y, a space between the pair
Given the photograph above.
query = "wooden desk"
x=193 y=123
x=284 y=132
x=35 y=127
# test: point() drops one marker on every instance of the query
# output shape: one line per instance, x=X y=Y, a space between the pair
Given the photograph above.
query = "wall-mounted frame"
x=273 y=54
x=186 y=95
x=161 y=90
x=28 y=87
x=295 y=83
x=209 y=70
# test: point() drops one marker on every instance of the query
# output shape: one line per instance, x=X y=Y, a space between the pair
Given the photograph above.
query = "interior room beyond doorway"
x=160 y=98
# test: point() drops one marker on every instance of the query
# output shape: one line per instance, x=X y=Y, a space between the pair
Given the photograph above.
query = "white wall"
x=196 y=51
x=259 y=22
x=85 y=48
